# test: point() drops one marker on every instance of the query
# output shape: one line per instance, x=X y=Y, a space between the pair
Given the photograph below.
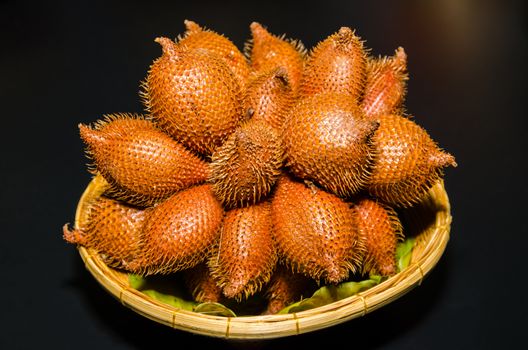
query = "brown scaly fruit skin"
x=337 y=64
x=326 y=139
x=194 y=96
x=113 y=229
x=315 y=231
x=244 y=169
x=407 y=164
x=202 y=285
x=286 y=287
x=269 y=97
x=246 y=254
x=386 y=84
x=381 y=230
x=197 y=37
x=179 y=232
x=143 y=164
x=268 y=51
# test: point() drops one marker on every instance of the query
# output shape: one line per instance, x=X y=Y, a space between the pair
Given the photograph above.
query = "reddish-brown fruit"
x=113 y=229
x=198 y=37
x=336 y=64
x=244 y=169
x=194 y=96
x=381 y=229
x=315 y=231
x=286 y=287
x=269 y=97
x=202 y=285
x=179 y=231
x=386 y=84
x=143 y=164
x=326 y=139
x=246 y=254
x=408 y=162
x=268 y=51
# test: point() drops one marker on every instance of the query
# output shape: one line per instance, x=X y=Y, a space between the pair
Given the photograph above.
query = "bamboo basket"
x=429 y=221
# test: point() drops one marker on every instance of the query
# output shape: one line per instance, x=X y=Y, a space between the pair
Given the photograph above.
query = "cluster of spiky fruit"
x=243 y=163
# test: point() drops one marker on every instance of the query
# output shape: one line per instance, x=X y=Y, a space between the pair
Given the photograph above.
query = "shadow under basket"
x=429 y=222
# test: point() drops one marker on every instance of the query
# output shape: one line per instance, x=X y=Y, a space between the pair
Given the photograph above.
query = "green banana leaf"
x=168 y=291
x=164 y=290
x=329 y=294
x=215 y=309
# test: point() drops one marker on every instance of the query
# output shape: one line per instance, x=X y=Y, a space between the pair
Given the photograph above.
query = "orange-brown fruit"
x=179 y=231
x=408 y=162
x=326 y=139
x=143 y=164
x=244 y=169
x=337 y=64
x=268 y=51
x=202 y=285
x=386 y=84
x=198 y=37
x=269 y=97
x=113 y=228
x=246 y=254
x=315 y=231
x=194 y=96
x=286 y=287
x=381 y=229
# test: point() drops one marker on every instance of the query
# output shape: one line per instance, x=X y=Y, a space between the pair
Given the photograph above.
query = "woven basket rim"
x=428 y=249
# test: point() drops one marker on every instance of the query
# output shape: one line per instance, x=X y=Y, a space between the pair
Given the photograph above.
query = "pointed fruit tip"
x=345 y=32
x=71 y=235
x=388 y=269
x=256 y=26
x=192 y=26
x=344 y=37
x=335 y=275
x=400 y=52
x=258 y=31
x=443 y=159
x=168 y=46
x=89 y=135
x=84 y=129
x=400 y=55
x=232 y=289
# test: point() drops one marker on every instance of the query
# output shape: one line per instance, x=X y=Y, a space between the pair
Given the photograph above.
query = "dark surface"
x=62 y=64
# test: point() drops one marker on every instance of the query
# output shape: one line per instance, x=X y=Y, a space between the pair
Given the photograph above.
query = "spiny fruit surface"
x=326 y=139
x=193 y=95
x=336 y=64
x=114 y=229
x=198 y=37
x=386 y=84
x=268 y=51
x=246 y=254
x=408 y=162
x=269 y=97
x=380 y=228
x=315 y=231
x=179 y=231
x=286 y=287
x=202 y=285
x=143 y=164
x=244 y=169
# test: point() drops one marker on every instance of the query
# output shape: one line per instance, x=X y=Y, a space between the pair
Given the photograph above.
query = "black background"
x=66 y=63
